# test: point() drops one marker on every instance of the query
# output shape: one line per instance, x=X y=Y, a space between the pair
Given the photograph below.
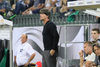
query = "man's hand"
x=26 y=12
x=81 y=53
x=15 y=61
x=25 y=65
x=32 y=8
x=52 y=51
x=32 y=56
x=94 y=65
x=88 y=64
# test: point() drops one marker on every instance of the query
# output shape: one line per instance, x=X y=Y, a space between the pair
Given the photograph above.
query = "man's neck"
x=97 y=38
x=45 y=21
x=90 y=52
x=23 y=42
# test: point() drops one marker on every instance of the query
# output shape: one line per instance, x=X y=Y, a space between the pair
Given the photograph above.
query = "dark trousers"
x=23 y=66
x=48 y=60
x=98 y=21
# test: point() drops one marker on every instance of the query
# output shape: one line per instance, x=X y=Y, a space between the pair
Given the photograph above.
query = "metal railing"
x=34 y=20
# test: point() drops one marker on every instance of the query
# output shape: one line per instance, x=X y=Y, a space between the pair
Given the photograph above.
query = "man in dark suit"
x=50 y=40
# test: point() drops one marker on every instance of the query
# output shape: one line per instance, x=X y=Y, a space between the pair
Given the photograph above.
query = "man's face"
x=95 y=35
x=43 y=16
x=97 y=51
x=87 y=48
x=23 y=38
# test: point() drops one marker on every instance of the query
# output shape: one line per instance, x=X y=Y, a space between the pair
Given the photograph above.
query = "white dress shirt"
x=90 y=57
x=23 y=54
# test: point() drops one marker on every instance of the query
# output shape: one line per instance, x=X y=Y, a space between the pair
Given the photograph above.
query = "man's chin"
x=41 y=19
x=86 y=52
x=98 y=55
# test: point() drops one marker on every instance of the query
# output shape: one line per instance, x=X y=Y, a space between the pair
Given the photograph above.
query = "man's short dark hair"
x=97 y=45
x=96 y=29
x=26 y=36
x=45 y=11
x=89 y=43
